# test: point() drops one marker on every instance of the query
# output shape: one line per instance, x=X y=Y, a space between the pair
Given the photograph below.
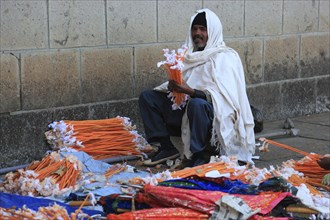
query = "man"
x=218 y=112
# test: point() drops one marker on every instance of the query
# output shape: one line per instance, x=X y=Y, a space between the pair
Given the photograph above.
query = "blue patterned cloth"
x=222 y=184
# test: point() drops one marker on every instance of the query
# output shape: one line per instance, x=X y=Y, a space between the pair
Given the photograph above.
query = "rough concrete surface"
x=313 y=136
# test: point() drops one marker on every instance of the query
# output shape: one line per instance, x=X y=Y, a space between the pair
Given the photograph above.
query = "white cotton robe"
x=218 y=71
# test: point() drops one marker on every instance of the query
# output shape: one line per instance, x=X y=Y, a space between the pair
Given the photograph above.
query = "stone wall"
x=82 y=59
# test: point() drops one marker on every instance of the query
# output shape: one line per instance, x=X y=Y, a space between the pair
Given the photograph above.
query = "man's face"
x=199 y=36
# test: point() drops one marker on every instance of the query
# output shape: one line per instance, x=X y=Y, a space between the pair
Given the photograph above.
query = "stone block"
x=131 y=22
x=324 y=16
x=281 y=58
x=263 y=97
x=263 y=17
x=174 y=19
x=22 y=138
x=9 y=83
x=250 y=52
x=315 y=55
x=322 y=94
x=23 y=25
x=298 y=97
x=94 y=111
x=147 y=74
x=128 y=109
x=107 y=74
x=300 y=16
x=230 y=14
x=99 y=110
x=78 y=112
x=50 y=79
x=123 y=108
x=77 y=23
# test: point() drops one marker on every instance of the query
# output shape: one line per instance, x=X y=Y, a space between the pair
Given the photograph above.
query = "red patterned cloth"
x=204 y=201
x=258 y=217
x=160 y=214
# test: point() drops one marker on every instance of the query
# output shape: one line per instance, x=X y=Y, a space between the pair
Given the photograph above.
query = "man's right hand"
x=324 y=162
x=173 y=86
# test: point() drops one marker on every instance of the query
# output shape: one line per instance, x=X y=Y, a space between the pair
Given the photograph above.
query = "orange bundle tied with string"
x=101 y=139
x=52 y=175
x=173 y=66
x=308 y=165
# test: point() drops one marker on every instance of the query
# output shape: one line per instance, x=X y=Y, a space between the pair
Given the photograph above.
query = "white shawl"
x=218 y=71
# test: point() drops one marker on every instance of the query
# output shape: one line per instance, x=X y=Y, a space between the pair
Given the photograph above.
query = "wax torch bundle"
x=104 y=138
x=173 y=66
x=52 y=175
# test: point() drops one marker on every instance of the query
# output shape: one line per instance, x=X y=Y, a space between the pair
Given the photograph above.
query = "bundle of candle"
x=117 y=168
x=50 y=176
x=308 y=165
x=173 y=66
x=311 y=169
x=105 y=138
x=50 y=212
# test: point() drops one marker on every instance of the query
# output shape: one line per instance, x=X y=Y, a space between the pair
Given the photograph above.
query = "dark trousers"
x=161 y=121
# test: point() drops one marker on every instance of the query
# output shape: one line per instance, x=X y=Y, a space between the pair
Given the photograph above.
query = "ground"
x=313 y=136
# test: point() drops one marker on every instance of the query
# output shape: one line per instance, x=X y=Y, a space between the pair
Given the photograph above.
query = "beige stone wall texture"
x=66 y=55
x=62 y=53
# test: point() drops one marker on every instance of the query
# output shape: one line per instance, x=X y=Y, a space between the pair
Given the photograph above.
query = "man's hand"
x=173 y=86
x=324 y=162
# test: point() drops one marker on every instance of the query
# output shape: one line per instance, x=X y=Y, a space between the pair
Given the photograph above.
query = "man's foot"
x=155 y=147
x=188 y=163
x=162 y=156
x=241 y=162
x=199 y=162
x=184 y=163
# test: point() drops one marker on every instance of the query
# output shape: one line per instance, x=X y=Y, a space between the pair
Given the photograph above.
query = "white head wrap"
x=215 y=41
